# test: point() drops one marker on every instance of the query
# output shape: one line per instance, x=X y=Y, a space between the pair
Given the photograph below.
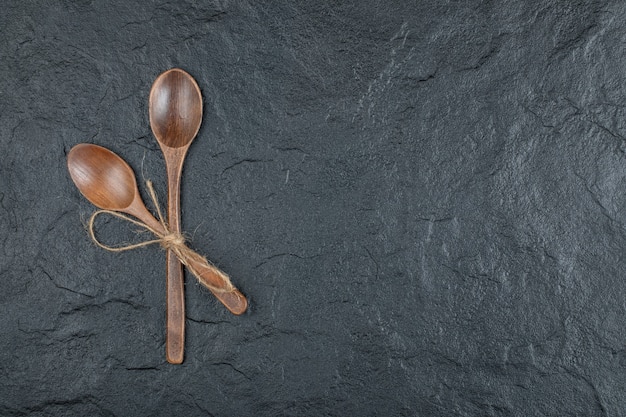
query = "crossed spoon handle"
x=212 y=278
x=208 y=275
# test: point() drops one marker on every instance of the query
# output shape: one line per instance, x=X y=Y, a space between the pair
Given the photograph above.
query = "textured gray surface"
x=424 y=201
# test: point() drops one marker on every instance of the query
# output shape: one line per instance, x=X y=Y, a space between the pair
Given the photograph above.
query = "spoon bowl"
x=175 y=108
x=102 y=177
x=107 y=181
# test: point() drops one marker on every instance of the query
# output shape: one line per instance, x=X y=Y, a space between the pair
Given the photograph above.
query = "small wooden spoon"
x=175 y=116
x=109 y=183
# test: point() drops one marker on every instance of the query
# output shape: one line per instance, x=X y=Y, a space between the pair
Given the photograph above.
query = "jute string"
x=174 y=241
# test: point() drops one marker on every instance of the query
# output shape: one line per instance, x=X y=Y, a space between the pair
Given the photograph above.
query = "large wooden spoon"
x=175 y=117
x=109 y=183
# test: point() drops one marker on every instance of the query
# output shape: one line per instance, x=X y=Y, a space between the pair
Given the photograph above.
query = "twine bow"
x=173 y=241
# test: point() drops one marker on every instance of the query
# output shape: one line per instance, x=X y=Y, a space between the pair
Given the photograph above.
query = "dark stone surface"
x=424 y=201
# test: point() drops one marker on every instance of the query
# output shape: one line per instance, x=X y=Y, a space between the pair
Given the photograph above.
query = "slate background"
x=424 y=201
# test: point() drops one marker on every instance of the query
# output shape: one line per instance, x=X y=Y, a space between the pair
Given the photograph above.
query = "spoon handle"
x=175 y=283
x=210 y=277
x=175 y=307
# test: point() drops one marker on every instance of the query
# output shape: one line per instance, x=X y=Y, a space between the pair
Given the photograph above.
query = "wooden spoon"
x=175 y=117
x=109 y=183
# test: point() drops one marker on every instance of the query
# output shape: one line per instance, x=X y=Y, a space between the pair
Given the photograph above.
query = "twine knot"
x=172 y=240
